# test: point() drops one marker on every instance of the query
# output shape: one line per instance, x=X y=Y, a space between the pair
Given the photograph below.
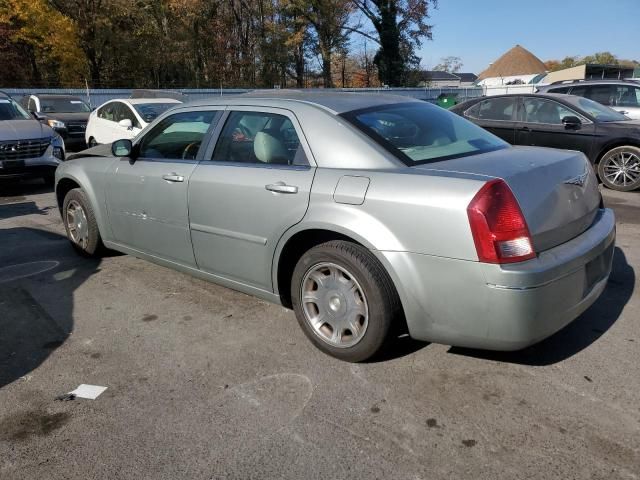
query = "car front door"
x=147 y=196
x=542 y=125
x=253 y=185
x=497 y=115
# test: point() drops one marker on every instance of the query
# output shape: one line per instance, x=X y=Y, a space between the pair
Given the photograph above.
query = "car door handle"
x=281 y=187
x=172 y=177
x=524 y=129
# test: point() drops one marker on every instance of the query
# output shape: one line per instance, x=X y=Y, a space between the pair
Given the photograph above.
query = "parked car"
x=66 y=114
x=27 y=147
x=609 y=139
x=360 y=212
x=621 y=95
x=124 y=118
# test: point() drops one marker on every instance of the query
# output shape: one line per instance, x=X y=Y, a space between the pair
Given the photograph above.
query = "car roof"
x=336 y=102
x=607 y=81
x=138 y=101
x=56 y=97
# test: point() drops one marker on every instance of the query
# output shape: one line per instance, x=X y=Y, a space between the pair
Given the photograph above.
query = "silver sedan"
x=366 y=214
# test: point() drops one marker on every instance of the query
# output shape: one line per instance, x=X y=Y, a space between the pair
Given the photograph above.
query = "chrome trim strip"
x=228 y=233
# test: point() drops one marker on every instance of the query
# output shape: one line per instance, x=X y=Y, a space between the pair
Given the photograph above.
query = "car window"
x=493 y=109
x=418 y=133
x=559 y=90
x=125 y=113
x=63 y=105
x=177 y=137
x=627 y=96
x=10 y=110
x=257 y=137
x=32 y=105
x=150 y=111
x=540 y=110
x=108 y=111
x=599 y=111
x=604 y=94
x=580 y=91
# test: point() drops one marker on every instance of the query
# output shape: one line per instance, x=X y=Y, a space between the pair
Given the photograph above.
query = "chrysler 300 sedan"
x=365 y=214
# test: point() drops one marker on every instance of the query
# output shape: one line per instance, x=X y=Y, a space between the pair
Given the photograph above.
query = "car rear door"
x=147 y=197
x=497 y=115
x=541 y=125
x=253 y=185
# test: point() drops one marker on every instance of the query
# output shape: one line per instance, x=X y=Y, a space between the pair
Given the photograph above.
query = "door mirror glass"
x=126 y=123
x=571 y=121
x=122 y=148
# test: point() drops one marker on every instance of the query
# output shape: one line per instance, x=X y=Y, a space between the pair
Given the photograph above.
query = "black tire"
x=92 y=143
x=93 y=246
x=380 y=296
x=607 y=168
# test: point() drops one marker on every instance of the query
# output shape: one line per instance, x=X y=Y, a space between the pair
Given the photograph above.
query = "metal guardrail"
x=97 y=97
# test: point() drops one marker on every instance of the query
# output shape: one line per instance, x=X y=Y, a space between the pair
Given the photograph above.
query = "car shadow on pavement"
x=21 y=188
x=39 y=273
x=579 y=334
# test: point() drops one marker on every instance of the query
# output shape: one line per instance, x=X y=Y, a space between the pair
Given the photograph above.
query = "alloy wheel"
x=77 y=224
x=622 y=168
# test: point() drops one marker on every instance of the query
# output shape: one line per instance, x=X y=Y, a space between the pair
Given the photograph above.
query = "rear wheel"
x=80 y=223
x=619 y=168
x=344 y=300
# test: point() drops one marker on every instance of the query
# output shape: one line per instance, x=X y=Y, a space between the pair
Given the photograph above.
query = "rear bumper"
x=503 y=307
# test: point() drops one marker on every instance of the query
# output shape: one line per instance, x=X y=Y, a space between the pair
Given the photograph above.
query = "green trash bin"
x=447 y=100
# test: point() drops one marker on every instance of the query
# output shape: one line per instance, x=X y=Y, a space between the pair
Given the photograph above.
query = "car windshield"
x=599 y=111
x=149 y=111
x=420 y=133
x=63 y=105
x=10 y=110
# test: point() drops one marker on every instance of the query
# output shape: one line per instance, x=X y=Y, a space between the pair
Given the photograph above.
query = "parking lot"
x=205 y=382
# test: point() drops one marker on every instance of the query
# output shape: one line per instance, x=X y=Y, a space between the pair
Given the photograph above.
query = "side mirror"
x=571 y=121
x=126 y=123
x=37 y=116
x=122 y=148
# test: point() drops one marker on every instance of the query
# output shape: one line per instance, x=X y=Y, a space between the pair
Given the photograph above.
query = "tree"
x=46 y=38
x=449 y=64
x=400 y=27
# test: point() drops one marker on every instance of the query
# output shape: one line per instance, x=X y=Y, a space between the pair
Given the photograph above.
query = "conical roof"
x=517 y=61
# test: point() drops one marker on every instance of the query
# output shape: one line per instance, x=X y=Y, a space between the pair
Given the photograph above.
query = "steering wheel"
x=189 y=147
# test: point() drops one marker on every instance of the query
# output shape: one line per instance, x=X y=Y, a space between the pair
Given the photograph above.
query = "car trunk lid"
x=557 y=190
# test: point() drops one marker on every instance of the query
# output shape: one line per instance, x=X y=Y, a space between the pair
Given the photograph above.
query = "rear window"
x=418 y=133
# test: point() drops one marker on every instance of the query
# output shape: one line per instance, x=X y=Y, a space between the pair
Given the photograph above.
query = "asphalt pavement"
x=207 y=383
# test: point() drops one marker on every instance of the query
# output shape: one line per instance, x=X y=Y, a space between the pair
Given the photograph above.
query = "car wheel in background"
x=80 y=223
x=619 y=168
x=49 y=179
x=92 y=143
x=344 y=300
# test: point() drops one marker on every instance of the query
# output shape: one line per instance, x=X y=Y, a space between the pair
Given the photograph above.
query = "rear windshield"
x=599 y=111
x=419 y=133
x=63 y=105
x=10 y=110
x=149 y=111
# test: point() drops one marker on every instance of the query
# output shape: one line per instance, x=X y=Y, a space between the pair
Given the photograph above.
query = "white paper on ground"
x=88 y=391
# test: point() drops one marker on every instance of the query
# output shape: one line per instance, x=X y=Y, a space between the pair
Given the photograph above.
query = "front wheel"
x=80 y=223
x=344 y=300
x=92 y=142
x=619 y=168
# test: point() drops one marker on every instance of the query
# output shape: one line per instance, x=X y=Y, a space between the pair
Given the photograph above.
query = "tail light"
x=499 y=229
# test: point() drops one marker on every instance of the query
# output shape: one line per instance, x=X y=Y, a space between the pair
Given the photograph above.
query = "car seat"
x=270 y=149
x=548 y=113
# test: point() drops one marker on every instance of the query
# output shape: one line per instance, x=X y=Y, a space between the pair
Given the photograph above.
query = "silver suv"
x=621 y=95
x=27 y=147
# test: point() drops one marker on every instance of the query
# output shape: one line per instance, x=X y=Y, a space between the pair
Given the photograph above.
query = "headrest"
x=269 y=149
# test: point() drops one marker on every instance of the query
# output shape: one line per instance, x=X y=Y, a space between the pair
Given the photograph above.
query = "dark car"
x=66 y=114
x=610 y=140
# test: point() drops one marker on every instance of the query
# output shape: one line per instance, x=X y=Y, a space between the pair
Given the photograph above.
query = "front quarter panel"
x=91 y=174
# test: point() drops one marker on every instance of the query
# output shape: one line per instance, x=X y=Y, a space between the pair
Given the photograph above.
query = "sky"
x=479 y=31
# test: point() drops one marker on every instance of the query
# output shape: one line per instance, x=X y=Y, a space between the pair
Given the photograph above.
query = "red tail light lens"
x=499 y=229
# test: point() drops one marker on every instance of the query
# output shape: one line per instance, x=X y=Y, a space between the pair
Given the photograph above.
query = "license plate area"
x=11 y=164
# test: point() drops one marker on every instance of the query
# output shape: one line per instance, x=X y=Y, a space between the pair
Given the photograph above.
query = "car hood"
x=68 y=117
x=97 y=151
x=628 y=125
x=23 y=130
